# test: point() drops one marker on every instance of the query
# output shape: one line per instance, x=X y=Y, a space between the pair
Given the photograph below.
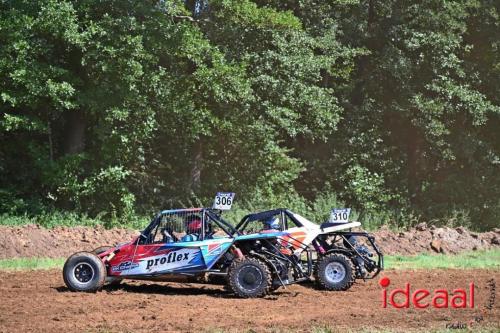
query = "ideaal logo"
x=423 y=298
x=171 y=258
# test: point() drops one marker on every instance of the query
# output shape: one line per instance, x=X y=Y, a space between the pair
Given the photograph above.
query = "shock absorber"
x=318 y=247
x=237 y=252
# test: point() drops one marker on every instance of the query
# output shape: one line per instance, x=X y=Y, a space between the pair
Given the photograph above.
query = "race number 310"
x=340 y=215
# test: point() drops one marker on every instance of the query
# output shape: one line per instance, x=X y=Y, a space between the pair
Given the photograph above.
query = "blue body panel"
x=260 y=236
x=210 y=251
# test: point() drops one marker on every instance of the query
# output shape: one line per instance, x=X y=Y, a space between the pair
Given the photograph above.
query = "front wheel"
x=249 y=278
x=334 y=272
x=84 y=271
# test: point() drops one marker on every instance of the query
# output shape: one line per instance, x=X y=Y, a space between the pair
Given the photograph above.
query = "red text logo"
x=400 y=298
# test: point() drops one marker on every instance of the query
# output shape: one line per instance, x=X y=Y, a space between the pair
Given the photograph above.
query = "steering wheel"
x=168 y=233
x=209 y=234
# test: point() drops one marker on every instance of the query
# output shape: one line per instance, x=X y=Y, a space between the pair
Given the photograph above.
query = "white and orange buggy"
x=279 y=247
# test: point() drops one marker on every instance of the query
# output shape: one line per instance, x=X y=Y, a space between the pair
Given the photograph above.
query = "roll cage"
x=284 y=214
x=287 y=217
x=208 y=216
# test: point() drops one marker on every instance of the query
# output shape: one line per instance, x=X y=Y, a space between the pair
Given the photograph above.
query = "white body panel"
x=310 y=230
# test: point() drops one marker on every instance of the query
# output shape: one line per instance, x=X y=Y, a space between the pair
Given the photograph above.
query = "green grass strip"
x=477 y=259
x=31 y=263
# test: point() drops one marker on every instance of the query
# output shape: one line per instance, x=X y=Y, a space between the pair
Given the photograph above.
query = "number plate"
x=340 y=215
x=223 y=200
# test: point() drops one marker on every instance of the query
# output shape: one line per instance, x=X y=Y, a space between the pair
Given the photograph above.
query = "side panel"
x=168 y=258
x=295 y=237
x=122 y=261
x=213 y=249
x=309 y=229
x=157 y=259
x=301 y=234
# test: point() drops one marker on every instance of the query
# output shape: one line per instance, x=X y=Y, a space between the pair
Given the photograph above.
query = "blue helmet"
x=272 y=223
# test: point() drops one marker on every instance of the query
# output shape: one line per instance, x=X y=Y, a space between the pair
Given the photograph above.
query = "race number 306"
x=223 y=200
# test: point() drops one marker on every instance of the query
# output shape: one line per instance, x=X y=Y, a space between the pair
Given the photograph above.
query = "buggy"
x=197 y=244
x=298 y=250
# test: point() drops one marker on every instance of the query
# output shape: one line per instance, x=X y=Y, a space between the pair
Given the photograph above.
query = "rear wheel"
x=334 y=272
x=84 y=271
x=101 y=249
x=249 y=277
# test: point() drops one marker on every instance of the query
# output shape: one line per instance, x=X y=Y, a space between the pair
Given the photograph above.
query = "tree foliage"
x=115 y=107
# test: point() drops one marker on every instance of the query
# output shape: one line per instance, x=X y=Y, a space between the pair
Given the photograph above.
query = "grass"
x=30 y=263
x=478 y=259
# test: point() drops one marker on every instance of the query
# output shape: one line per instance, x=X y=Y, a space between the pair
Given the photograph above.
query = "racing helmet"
x=193 y=224
x=272 y=222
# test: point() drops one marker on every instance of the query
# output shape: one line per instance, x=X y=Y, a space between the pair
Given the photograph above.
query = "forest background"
x=112 y=110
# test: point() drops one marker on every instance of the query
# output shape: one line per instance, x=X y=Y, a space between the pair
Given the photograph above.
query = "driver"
x=271 y=224
x=168 y=235
x=192 y=224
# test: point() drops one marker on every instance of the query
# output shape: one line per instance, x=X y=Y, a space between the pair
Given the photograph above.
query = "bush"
x=316 y=210
x=68 y=219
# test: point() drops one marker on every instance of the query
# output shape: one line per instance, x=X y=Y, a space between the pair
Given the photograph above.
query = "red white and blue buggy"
x=176 y=244
x=263 y=252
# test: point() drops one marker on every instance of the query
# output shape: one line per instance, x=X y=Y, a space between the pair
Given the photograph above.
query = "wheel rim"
x=250 y=278
x=335 y=272
x=83 y=272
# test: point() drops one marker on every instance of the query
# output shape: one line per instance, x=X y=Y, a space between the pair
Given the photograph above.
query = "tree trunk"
x=74 y=134
x=414 y=152
x=197 y=164
x=51 y=141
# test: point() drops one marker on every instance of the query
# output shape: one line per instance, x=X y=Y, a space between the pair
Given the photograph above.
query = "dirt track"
x=39 y=302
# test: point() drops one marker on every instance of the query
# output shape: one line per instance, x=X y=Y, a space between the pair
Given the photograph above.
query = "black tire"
x=84 y=271
x=101 y=249
x=249 y=278
x=334 y=272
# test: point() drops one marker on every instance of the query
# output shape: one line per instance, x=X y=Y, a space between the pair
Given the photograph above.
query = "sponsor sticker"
x=124 y=266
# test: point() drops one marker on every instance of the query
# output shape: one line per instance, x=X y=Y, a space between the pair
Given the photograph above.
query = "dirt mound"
x=35 y=241
x=185 y=307
x=424 y=239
